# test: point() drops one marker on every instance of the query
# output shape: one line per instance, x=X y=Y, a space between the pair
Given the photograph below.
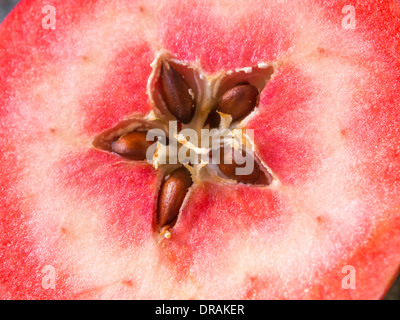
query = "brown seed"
x=132 y=145
x=238 y=102
x=172 y=194
x=176 y=93
x=229 y=158
x=214 y=119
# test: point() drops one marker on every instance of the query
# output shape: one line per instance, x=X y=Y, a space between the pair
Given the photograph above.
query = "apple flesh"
x=327 y=124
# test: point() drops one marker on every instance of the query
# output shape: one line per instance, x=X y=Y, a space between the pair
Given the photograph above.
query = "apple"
x=79 y=220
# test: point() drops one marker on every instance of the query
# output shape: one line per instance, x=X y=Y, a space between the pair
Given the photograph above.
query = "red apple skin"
x=328 y=125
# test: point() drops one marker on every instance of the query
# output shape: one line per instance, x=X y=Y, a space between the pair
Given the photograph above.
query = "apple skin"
x=328 y=125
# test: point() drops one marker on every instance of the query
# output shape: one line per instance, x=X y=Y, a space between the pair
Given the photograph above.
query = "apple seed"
x=176 y=93
x=229 y=163
x=172 y=194
x=132 y=145
x=237 y=102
